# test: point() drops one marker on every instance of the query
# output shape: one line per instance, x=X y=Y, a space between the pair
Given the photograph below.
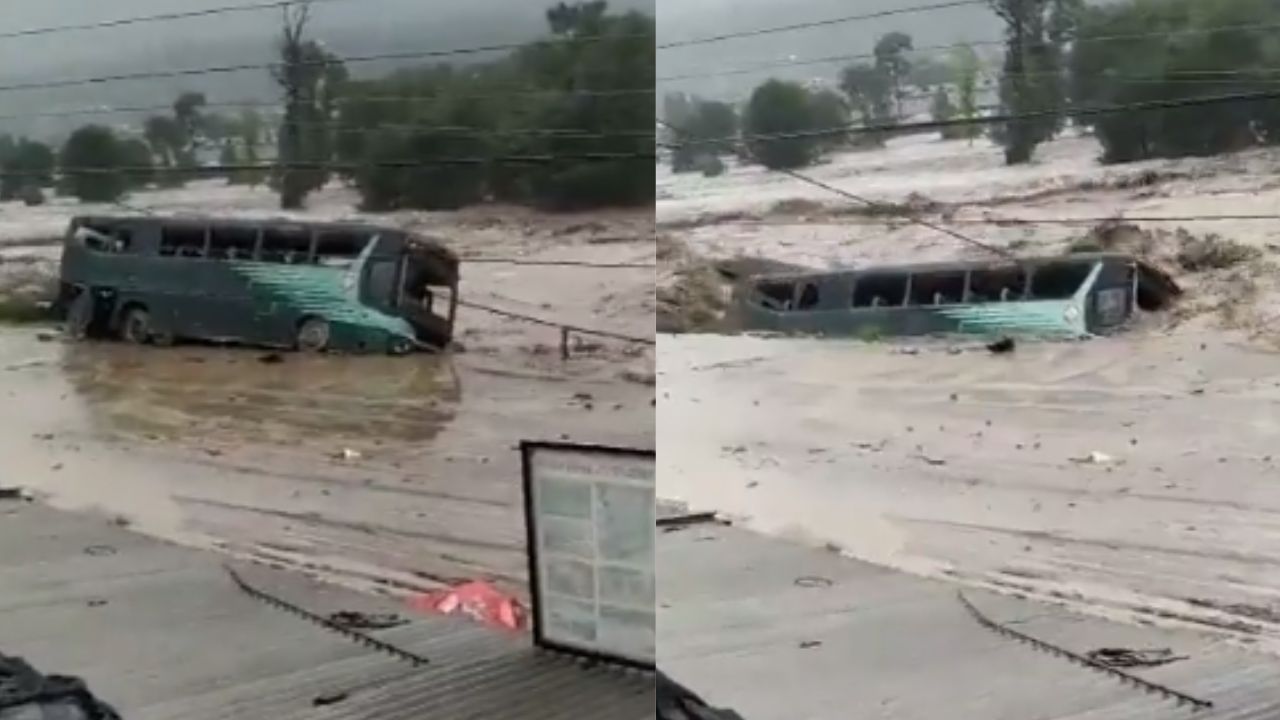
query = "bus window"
x=776 y=295
x=290 y=245
x=997 y=285
x=880 y=290
x=106 y=239
x=380 y=288
x=182 y=240
x=1059 y=281
x=232 y=242
x=808 y=296
x=937 y=288
x=340 y=249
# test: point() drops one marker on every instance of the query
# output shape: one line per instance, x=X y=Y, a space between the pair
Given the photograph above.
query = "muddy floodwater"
x=396 y=473
x=1136 y=477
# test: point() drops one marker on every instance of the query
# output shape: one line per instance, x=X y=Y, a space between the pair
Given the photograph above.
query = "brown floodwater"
x=359 y=469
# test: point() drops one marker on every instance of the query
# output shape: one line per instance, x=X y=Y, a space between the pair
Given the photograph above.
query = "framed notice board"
x=590 y=519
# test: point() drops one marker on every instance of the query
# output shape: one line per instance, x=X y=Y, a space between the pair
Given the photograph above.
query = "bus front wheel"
x=313 y=335
x=135 y=327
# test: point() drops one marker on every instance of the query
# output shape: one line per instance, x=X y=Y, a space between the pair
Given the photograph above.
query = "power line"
x=931 y=49
x=871 y=203
x=820 y=23
x=559 y=263
x=350 y=167
x=163 y=17
x=1076 y=113
x=350 y=59
x=275 y=105
x=245 y=67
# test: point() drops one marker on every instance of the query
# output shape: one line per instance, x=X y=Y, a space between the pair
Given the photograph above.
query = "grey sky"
x=348 y=27
x=682 y=19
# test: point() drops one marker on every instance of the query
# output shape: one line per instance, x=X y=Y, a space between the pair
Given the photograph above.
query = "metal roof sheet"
x=169 y=636
x=775 y=630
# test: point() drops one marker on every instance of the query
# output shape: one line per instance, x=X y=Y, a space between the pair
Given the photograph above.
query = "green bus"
x=1068 y=296
x=273 y=283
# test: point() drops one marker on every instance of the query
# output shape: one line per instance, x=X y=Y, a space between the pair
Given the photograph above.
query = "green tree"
x=965 y=66
x=1033 y=83
x=779 y=108
x=28 y=164
x=566 y=96
x=135 y=155
x=703 y=122
x=168 y=143
x=943 y=110
x=250 y=127
x=892 y=62
x=1171 y=44
x=830 y=112
x=90 y=163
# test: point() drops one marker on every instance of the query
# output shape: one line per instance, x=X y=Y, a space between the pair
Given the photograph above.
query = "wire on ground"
x=846 y=219
x=560 y=263
x=559 y=325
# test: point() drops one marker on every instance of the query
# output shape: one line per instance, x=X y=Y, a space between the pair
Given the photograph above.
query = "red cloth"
x=478 y=600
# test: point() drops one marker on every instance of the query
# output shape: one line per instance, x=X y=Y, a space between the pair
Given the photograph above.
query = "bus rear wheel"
x=135 y=327
x=313 y=335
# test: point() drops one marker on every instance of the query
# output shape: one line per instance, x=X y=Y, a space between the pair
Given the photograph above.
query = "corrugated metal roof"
x=169 y=636
x=736 y=627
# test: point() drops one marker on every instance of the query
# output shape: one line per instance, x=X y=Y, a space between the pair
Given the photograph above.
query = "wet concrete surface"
x=387 y=473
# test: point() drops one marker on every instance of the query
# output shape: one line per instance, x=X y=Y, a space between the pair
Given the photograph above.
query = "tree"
x=1036 y=32
x=781 y=108
x=965 y=66
x=29 y=164
x=187 y=115
x=705 y=121
x=829 y=112
x=1170 y=42
x=251 y=138
x=891 y=60
x=90 y=163
x=293 y=75
x=135 y=154
x=943 y=110
x=168 y=143
x=570 y=83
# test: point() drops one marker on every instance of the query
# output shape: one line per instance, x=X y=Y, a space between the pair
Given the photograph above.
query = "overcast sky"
x=682 y=19
x=349 y=27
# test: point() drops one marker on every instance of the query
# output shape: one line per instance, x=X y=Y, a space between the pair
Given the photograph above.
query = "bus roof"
x=956 y=266
x=431 y=244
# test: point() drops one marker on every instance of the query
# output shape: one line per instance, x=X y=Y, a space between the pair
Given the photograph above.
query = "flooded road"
x=1133 y=477
x=393 y=473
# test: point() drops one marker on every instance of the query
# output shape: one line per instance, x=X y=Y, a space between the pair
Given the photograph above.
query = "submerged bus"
x=1067 y=296
x=272 y=283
